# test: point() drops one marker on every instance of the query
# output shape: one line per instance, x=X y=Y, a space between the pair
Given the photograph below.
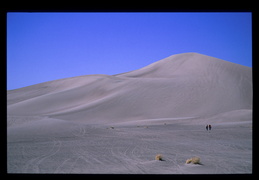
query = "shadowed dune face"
x=182 y=85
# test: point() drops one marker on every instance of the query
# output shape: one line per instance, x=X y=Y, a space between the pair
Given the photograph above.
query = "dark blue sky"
x=49 y=46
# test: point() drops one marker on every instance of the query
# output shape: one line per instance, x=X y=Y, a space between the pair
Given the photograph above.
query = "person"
x=207 y=126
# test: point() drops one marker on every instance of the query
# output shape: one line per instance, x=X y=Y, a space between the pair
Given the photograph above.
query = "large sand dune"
x=63 y=126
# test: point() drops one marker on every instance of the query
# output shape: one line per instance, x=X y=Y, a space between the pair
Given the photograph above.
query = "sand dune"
x=176 y=96
x=187 y=84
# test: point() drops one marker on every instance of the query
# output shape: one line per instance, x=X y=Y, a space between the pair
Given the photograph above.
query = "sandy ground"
x=102 y=124
x=130 y=148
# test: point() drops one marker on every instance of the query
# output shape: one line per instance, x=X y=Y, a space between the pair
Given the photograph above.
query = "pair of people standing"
x=208 y=127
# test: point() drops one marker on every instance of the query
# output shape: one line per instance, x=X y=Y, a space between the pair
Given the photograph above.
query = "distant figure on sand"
x=208 y=127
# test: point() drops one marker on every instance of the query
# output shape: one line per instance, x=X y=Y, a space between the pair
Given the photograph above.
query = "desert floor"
x=131 y=147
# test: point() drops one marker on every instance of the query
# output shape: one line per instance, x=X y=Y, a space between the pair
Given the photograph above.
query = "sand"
x=117 y=124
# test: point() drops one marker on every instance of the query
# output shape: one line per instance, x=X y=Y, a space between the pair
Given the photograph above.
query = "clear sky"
x=48 y=46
